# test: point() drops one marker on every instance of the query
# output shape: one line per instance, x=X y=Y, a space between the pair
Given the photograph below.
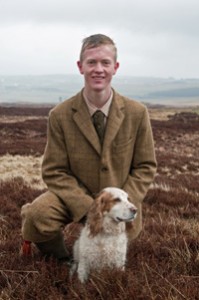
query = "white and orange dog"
x=103 y=240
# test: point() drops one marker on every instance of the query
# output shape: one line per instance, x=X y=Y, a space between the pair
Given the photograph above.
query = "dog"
x=103 y=239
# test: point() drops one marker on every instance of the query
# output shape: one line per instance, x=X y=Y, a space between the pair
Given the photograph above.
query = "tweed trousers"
x=44 y=218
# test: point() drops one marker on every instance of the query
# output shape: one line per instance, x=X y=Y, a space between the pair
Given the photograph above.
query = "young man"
x=79 y=162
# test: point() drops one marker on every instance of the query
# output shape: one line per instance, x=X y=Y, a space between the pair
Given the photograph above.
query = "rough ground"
x=162 y=264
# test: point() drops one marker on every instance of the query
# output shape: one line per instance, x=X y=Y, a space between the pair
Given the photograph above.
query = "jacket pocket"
x=123 y=145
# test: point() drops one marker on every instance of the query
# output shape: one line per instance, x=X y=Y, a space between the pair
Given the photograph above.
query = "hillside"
x=55 y=88
x=162 y=263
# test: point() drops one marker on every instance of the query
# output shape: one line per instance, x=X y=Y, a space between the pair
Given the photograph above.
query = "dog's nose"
x=133 y=210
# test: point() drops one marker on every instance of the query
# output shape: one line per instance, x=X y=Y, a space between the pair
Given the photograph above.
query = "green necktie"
x=98 y=121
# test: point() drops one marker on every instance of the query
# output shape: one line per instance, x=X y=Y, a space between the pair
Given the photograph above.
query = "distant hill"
x=184 y=92
x=52 y=89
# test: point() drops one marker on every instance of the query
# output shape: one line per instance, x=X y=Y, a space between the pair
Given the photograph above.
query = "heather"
x=162 y=263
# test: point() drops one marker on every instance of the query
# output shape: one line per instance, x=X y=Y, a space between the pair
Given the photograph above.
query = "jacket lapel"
x=83 y=120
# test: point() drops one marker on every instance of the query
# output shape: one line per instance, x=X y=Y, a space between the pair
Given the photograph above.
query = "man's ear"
x=116 y=67
x=79 y=65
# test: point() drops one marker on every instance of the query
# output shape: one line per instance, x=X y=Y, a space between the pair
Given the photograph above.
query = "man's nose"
x=98 y=67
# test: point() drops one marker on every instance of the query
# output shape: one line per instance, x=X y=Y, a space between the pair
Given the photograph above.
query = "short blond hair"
x=97 y=40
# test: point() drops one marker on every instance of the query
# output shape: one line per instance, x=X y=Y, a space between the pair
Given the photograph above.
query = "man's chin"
x=98 y=87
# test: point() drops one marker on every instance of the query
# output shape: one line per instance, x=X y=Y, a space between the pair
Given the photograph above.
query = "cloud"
x=153 y=37
x=138 y=16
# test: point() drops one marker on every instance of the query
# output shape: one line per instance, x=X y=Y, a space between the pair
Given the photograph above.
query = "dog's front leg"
x=73 y=268
x=83 y=271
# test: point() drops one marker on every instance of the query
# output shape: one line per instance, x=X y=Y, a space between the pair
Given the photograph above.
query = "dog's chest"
x=103 y=251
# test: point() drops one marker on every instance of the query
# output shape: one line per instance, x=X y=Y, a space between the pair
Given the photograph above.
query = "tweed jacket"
x=75 y=165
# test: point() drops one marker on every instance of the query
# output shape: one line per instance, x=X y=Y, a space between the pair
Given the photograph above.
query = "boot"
x=55 y=248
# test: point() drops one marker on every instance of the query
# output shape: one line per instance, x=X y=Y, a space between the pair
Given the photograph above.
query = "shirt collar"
x=105 y=108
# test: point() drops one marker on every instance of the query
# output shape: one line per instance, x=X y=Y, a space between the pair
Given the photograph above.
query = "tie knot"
x=98 y=116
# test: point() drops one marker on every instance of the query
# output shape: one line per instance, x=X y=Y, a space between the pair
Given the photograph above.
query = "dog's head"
x=111 y=203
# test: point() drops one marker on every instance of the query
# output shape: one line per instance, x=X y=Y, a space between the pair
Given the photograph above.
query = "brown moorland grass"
x=162 y=263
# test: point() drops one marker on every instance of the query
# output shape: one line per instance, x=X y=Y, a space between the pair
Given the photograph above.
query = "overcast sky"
x=154 y=38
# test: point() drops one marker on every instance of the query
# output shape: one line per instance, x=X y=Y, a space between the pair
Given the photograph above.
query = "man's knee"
x=43 y=218
x=38 y=208
x=134 y=228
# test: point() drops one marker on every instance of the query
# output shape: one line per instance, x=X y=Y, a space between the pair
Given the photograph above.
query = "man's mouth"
x=98 y=78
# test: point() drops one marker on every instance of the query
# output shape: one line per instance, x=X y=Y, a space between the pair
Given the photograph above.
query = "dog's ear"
x=95 y=215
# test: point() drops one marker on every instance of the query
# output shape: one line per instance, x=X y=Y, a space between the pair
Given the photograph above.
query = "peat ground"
x=162 y=263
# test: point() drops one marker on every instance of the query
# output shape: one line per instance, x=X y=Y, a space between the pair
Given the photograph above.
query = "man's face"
x=98 y=67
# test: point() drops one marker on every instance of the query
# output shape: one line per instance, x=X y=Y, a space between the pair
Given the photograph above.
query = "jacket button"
x=104 y=169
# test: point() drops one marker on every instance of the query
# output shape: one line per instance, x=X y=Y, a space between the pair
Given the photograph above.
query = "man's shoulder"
x=65 y=106
x=131 y=104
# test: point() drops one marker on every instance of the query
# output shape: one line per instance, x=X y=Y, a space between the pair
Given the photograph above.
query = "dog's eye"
x=117 y=199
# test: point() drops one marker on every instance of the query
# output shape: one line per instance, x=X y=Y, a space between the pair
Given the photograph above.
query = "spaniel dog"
x=103 y=240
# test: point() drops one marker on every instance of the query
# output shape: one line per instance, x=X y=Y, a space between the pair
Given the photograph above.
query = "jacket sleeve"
x=143 y=166
x=57 y=175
